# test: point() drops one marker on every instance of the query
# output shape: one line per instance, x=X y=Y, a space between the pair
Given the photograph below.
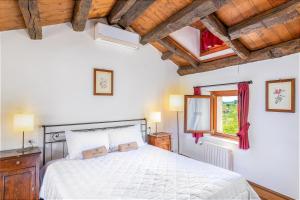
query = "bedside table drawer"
x=164 y=146
x=163 y=140
x=18 y=163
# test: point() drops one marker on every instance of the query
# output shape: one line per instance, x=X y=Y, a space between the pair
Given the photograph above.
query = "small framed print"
x=280 y=95
x=103 y=82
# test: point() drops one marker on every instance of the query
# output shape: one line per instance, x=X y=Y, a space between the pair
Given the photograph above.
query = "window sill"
x=209 y=137
x=225 y=136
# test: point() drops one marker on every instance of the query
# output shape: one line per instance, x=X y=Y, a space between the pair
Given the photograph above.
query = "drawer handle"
x=18 y=162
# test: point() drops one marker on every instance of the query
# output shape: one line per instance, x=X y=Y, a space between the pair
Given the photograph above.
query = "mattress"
x=146 y=173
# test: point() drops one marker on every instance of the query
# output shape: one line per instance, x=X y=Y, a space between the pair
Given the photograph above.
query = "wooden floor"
x=267 y=194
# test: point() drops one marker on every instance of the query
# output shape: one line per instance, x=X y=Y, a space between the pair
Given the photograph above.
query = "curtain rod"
x=233 y=83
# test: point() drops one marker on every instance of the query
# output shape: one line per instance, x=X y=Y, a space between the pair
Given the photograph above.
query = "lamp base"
x=24 y=150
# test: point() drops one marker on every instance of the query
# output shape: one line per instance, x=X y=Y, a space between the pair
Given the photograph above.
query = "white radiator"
x=217 y=155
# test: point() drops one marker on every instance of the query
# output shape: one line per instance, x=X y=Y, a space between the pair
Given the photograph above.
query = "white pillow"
x=81 y=141
x=125 y=135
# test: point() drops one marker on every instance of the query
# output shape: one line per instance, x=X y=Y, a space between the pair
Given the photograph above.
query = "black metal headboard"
x=54 y=135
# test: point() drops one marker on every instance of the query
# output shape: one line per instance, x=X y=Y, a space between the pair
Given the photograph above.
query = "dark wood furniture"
x=19 y=174
x=161 y=140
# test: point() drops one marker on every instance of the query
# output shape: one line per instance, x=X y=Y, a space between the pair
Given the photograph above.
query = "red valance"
x=208 y=40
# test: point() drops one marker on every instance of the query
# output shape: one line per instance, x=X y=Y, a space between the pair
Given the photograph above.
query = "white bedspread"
x=146 y=173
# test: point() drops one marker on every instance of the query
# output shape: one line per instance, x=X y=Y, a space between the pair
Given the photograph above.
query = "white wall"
x=52 y=79
x=272 y=160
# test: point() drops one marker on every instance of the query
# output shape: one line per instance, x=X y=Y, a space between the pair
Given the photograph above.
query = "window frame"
x=186 y=97
x=215 y=95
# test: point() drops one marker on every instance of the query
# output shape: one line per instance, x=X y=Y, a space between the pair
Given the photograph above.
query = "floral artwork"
x=280 y=95
x=103 y=82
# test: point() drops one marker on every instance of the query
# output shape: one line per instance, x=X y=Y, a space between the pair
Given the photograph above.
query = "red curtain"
x=198 y=135
x=243 y=110
x=208 y=40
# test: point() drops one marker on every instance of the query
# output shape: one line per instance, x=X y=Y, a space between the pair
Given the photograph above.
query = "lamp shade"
x=23 y=122
x=176 y=102
x=155 y=117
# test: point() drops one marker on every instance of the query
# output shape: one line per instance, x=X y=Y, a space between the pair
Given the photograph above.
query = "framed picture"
x=280 y=95
x=103 y=82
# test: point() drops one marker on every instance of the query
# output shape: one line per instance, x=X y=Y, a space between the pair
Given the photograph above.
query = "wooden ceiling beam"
x=167 y=55
x=134 y=12
x=215 y=26
x=186 y=16
x=31 y=16
x=177 y=51
x=80 y=14
x=275 y=51
x=278 y=15
x=119 y=9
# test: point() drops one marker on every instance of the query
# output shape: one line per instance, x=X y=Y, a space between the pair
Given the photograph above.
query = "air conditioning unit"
x=116 y=35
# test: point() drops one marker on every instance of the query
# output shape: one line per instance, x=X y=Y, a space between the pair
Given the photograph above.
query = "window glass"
x=198 y=114
x=227 y=115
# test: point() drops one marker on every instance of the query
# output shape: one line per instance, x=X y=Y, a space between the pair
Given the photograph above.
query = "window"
x=225 y=113
x=216 y=113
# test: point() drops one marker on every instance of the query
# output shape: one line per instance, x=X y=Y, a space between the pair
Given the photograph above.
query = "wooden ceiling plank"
x=186 y=16
x=80 y=14
x=278 y=15
x=134 y=12
x=275 y=51
x=119 y=9
x=31 y=16
x=177 y=51
x=215 y=26
x=167 y=55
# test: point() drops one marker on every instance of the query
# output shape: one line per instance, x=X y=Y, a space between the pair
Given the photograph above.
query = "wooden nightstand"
x=162 y=140
x=19 y=174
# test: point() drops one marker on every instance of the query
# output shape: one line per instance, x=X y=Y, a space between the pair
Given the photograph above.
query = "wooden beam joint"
x=80 y=14
x=215 y=26
x=186 y=16
x=120 y=8
x=31 y=16
x=134 y=12
x=167 y=55
x=177 y=51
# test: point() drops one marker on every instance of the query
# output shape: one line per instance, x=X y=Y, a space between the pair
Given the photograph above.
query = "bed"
x=146 y=173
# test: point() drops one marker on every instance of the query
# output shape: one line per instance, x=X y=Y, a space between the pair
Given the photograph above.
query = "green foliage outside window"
x=230 y=118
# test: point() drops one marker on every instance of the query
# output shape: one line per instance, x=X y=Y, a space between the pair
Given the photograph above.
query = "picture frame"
x=280 y=95
x=103 y=82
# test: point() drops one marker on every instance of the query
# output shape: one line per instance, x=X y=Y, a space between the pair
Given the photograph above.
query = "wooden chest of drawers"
x=162 y=140
x=19 y=174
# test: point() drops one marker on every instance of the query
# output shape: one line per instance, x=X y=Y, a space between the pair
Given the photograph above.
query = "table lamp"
x=22 y=123
x=176 y=103
x=155 y=117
